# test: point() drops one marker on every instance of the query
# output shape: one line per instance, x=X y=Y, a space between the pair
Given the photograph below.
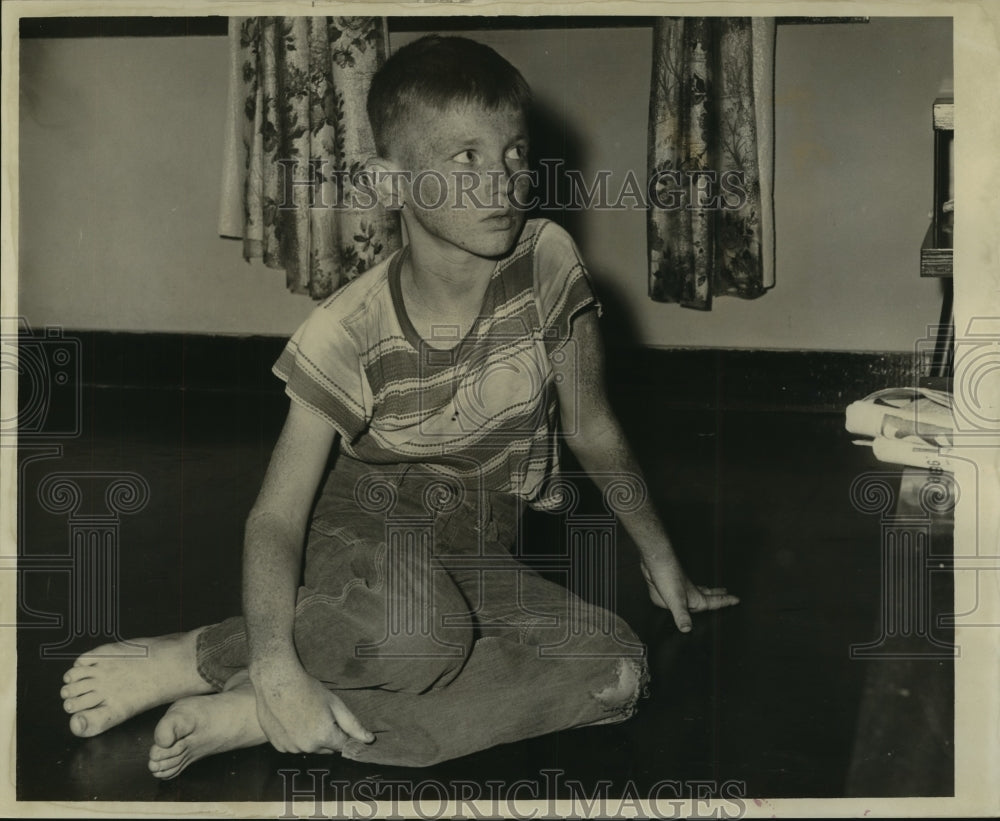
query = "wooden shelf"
x=934 y=262
x=944 y=114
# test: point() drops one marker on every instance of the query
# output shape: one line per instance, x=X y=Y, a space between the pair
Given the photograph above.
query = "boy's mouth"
x=501 y=219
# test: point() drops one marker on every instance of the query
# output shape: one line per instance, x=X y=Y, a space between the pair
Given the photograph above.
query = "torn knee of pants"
x=629 y=685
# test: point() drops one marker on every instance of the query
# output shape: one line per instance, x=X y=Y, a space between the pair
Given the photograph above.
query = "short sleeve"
x=562 y=285
x=322 y=371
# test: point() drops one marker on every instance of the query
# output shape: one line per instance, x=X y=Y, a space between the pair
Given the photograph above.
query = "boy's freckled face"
x=460 y=161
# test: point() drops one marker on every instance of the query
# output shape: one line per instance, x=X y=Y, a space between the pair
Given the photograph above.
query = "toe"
x=162 y=755
x=158 y=767
x=93 y=721
x=168 y=767
x=164 y=735
x=85 y=702
x=170 y=770
x=77 y=688
x=174 y=726
x=78 y=673
x=89 y=658
x=78 y=725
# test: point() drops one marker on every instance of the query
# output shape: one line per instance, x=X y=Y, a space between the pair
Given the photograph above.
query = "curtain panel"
x=711 y=126
x=296 y=133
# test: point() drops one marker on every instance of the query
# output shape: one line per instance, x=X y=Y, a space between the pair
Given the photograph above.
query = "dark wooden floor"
x=764 y=695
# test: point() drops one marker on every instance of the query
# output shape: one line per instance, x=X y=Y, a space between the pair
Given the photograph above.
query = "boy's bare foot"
x=205 y=725
x=101 y=691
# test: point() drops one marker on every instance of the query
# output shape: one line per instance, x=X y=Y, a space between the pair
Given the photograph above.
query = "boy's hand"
x=671 y=589
x=299 y=715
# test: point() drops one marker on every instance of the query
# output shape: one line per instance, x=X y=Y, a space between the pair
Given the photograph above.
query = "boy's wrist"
x=278 y=661
x=659 y=554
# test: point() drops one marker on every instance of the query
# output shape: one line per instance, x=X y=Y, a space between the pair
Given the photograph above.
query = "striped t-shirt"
x=483 y=412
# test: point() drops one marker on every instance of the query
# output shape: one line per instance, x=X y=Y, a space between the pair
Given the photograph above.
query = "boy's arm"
x=599 y=444
x=296 y=712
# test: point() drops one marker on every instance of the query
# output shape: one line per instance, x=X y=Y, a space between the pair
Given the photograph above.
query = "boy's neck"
x=443 y=290
x=446 y=275
x=435 y=298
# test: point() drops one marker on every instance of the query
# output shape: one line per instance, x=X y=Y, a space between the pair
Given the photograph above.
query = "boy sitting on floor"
x=440 y=378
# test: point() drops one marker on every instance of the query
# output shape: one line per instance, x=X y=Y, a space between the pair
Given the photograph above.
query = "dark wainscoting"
x=824 y=381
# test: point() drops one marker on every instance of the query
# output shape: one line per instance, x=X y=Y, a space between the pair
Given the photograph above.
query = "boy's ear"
x=387 y=180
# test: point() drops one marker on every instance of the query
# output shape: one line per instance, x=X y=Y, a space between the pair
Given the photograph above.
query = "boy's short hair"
x=441 y=71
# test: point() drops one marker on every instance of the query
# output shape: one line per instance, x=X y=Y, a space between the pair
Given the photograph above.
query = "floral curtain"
x=711 y=223
x=297 y=132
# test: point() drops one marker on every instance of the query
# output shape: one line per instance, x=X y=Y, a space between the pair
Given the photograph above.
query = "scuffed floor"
x=763 y=698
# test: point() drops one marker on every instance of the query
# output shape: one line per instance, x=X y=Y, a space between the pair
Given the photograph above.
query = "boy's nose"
x=501 y=182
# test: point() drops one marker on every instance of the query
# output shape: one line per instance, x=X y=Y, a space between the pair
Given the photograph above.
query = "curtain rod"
x=215 y=26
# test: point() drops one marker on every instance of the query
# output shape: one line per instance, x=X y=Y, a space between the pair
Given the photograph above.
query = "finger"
x=682 y=618
x=323 y=739
x=332 y=742
x=678 y=608
x=348 y=723
x=675 y=598
x=717 y=602
x=713 y=591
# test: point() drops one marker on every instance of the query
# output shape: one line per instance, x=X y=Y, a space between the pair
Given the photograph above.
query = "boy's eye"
x=464 y=157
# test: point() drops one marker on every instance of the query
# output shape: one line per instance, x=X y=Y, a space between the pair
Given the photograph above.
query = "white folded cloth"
x=908 y=426
x=900 y=413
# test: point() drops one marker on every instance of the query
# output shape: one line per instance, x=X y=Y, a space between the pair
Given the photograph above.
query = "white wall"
x=121 y=146
x=121 y=143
